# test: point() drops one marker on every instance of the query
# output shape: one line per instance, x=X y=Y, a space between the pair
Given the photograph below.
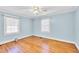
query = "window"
x=11 y=25
x=45 y=25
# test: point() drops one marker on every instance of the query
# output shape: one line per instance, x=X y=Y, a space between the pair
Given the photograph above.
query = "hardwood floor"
x=34 y=44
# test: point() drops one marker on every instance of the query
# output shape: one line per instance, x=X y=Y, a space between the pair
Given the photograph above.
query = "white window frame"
x=6 y=25
x=45 y=25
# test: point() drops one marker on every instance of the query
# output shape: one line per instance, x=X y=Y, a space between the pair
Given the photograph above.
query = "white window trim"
x=5 y=33
x=43 y=29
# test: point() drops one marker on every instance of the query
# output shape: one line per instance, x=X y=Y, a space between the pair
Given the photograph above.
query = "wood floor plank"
x=35 y=44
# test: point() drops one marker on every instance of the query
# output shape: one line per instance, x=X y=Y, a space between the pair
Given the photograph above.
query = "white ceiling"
x=27 y=10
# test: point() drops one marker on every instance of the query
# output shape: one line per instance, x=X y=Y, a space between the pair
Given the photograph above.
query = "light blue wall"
x=25 y=28
x=62 y=26
x=1 y=28
x=77 y=27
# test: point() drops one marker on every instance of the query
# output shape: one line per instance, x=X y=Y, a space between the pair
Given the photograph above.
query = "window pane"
x=45 y=25
x=11 y=25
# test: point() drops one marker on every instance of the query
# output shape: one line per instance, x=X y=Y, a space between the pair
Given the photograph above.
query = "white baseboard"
x=77 y=46
x=23 y=36
x=56 y=39
x=6 y=41
x=40 y=36
x=60 y=40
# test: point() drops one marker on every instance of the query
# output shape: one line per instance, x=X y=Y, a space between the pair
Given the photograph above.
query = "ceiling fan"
x=39 y=10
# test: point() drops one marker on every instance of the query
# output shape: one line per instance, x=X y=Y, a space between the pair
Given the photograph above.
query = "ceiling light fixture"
x=37 y=10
